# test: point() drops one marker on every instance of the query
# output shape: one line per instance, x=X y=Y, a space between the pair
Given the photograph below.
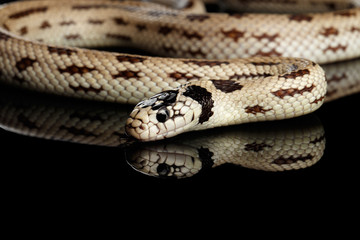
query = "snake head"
x=166 y=160
x=164 y=115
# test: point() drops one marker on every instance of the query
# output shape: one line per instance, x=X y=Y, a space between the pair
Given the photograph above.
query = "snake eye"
x=163 y=169
x=162 y=115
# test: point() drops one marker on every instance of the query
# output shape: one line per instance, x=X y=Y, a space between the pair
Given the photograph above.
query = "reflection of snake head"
x=169 y=160
x=164 y=115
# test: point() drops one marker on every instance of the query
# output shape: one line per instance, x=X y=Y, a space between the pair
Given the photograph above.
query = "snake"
x=269 y=146
x=218 y=69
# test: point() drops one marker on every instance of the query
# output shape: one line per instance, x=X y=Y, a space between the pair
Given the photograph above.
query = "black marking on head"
x=166 y=98
x=203 y=97
x=227 y=86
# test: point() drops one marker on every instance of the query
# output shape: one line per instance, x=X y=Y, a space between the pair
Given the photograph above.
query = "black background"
x=65 y=176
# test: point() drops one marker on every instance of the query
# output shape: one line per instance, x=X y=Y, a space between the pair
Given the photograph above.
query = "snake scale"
x=272 y=80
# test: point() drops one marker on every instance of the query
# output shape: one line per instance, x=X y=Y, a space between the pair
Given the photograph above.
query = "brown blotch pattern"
x=300 y=18
x=72 y=36
x=318 y=100
x=264 y=63
x=23 y=31
x=289 y=160
x=89 y=6
x=296 y=74
x=256 y=109
x=131 y=59
x=192 y=35
x=24 y=63
x=85 y=89
x=256 y=147
x=329 y=31
x=227 y=86
x=73 y=69
x=355 y=29
x=6 y=27
x=337 y=78
x=345 y=13
x=189 y=4
x=234 y=34
x=268 y=54
x=259 y=75
x=96 y=21
x=67 y=23
x=292 y=91
x=61 y=51
x=207 y=63
x=141 y=27
x=164 y=30
x=126 y=74
x=180 y=75
x=335 y=49
x=45 y=24
x=271 y=38
x=120 y=21
x=28 y=12
x=317 y=140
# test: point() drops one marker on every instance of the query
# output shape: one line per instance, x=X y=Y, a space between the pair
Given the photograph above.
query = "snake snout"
x=146 y=124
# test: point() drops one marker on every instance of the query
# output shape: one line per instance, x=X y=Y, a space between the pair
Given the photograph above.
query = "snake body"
x=37 y=40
